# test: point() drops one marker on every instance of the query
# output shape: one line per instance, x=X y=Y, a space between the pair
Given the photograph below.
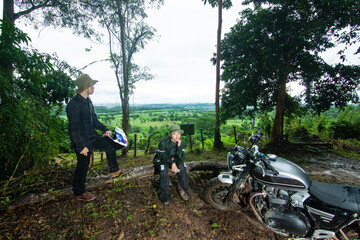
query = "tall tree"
x=127 y=34
x=280 y=43
x=66 y=13
x=30 y=103
x=124 y=21
x=220 y=4
x=33 y=89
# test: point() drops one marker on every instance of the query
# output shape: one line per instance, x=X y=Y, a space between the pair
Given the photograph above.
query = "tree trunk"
x=6 y=39
x=280 y=105
x=8 y=11
x=125 y=65
x=125 y=120
x=276 y=131
x=217 y=137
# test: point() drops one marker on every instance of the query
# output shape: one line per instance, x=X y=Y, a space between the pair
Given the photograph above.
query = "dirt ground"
x=131 y=210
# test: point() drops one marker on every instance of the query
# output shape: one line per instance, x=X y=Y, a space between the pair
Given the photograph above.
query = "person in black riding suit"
x=170 y=155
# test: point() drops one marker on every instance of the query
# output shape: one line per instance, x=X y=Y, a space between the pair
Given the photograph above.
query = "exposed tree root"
x=134 y=173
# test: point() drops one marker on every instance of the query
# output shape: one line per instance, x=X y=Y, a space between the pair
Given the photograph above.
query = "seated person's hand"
x=85 y=151
x=174 y=168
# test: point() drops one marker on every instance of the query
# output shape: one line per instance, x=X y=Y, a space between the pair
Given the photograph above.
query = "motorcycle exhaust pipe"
x=252 y=204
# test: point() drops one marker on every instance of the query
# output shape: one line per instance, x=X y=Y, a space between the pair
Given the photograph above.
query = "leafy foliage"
x=214 y=3
x=32 y=87
x=65 y=13
x=334 y=124
x=346 y=130
x=300 y=133
x=347 y=125
x=337 y=87
x=279 y=42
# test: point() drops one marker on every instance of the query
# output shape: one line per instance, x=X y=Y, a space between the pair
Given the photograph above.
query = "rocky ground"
x=131 y=209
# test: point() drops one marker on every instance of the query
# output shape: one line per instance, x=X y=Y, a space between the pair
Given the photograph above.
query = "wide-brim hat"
x=175 y=128
x=83 y=82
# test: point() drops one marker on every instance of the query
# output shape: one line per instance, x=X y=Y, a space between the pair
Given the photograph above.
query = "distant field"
x=154 y=119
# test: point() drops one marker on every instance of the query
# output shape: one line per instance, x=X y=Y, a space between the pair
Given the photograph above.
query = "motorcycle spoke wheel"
x=215 y=194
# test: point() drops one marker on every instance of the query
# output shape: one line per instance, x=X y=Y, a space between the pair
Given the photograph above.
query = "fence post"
x=190 y=143
x=202 y=138
x=135 y=145
x=235 y=135
x=148 y=145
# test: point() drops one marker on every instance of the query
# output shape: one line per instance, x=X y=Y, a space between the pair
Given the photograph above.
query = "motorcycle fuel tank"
x=290 y=177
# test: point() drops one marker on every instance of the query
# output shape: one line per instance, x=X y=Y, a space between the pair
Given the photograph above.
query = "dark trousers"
x=164 y=181
x=83 y=163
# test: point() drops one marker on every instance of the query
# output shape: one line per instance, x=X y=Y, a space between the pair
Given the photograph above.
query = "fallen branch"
x=312 y=143
x=134 y=173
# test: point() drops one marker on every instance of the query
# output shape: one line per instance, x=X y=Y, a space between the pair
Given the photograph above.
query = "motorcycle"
x=282 y=196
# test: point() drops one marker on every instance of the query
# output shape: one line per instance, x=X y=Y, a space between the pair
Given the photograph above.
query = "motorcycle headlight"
x=230 y=160
x=236 y=159
x=240 y=156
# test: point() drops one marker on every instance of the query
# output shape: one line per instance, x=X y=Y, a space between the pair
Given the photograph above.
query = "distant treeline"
x=154 y=119
x=117 y=108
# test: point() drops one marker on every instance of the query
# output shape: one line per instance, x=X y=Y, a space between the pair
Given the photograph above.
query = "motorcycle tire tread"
x=212 y=185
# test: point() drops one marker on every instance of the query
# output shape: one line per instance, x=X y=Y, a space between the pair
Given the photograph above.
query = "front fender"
x=226 y=177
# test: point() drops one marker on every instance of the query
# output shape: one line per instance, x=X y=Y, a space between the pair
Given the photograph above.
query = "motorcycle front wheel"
x=215 y=194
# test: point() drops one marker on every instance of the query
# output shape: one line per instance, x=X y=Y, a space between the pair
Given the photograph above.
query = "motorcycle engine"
x=283 y=218
x=288 y=221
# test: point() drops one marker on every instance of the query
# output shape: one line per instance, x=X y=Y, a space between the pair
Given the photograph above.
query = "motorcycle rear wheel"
x=215 y=193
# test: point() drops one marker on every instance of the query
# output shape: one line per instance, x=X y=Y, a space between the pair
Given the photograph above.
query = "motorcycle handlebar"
x=256 y=155
x=256 y=137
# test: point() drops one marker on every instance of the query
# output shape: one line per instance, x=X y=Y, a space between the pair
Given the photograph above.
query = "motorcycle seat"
x=337 y=195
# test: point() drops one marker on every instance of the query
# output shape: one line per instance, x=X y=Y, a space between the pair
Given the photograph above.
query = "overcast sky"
x=179 y=58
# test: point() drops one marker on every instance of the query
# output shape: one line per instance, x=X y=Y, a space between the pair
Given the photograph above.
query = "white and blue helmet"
x=120 y=137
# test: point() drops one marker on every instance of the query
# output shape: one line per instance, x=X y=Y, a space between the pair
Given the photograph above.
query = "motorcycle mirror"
x=252 y=122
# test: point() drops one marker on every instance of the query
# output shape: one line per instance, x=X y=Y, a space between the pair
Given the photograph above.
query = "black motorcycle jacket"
x=168 y=149
x=83 y=123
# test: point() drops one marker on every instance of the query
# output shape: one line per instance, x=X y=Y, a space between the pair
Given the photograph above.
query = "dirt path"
x=132 y=210
x=325 y=166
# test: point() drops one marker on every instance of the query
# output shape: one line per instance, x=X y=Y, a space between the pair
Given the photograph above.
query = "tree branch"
x=102 y=60
x=135 y=43
x=33 y=8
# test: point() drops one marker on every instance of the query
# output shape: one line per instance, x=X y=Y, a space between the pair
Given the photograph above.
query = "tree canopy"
x=32 y=93
x=279 y=42
x=34 y=85
x=37 y=84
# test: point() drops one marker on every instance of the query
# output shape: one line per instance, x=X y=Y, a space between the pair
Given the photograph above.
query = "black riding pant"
x=83 y=163
x=164 y=180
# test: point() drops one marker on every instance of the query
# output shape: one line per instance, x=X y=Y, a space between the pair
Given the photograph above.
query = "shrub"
x=300 y=133
x=345 y=130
